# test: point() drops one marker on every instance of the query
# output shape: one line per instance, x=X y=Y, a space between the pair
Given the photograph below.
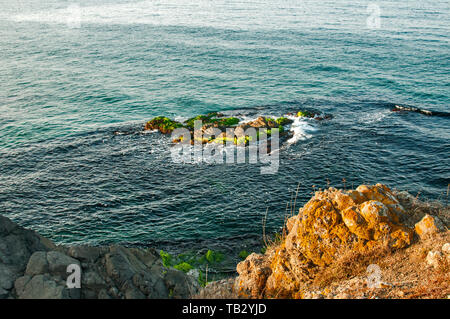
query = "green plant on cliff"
x=183 y=266
x=166 y=258
x=243 y=254
x=223 y=140
x=266 y=132
x=214 y=256
x=243 y=140
x=202 y=278
x=204 y=118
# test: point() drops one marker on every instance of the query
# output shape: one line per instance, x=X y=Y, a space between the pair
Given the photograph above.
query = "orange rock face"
x=331 y=222
x=428 y=225
x=253 y=271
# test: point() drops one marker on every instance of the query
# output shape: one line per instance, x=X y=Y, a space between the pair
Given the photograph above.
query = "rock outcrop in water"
x=332 y=223
x=32 y=267
x=215 y=127
x=400 y=108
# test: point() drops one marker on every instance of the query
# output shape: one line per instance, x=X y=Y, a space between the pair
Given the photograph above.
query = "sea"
x=79 y=79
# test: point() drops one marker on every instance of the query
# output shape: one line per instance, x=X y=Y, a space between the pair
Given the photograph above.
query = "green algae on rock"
x=163 y=124
x=215 y=124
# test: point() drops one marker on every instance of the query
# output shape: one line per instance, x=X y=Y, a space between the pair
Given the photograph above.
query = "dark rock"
x=44 y=287
x=180 y=286
x=103 y=295
x=32 y=267
x=85 y=253
x=58 y=263
x=37 y=264
x=131 y=292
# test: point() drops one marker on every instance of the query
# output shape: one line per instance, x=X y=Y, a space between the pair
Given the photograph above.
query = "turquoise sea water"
x=73 y=73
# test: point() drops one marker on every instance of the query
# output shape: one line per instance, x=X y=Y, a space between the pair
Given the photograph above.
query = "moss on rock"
x=163 y=124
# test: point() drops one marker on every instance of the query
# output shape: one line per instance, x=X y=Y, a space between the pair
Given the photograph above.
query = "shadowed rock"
x=32 y=267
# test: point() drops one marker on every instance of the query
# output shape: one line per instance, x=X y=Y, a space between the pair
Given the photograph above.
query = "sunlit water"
x=67 y=84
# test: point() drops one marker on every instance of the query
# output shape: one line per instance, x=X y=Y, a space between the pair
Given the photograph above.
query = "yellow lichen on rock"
x=331 y=222
x=356 y=222
x=428 y=225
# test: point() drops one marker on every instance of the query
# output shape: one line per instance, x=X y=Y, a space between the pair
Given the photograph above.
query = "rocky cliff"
x=370 y=242
x=334 y=224
x=33 y=267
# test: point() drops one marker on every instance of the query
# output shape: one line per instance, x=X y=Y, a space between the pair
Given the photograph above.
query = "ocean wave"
x=301 y=128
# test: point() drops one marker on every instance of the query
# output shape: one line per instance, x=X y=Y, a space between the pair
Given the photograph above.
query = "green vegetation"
x=214 y=256
x=202 y=279
x=283 y=121
x=163 y=124
x=183 y=266
x=268 y=132
x=270 y=121
x=213 y=118
x=243 y=254
x=166 y=258
x=229 y=121
x=187 y=261
x=305 y=113
x=223 y=140
x=204 y=118
x=243 y=140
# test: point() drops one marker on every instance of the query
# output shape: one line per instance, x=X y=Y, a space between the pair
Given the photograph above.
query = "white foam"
x=374 y=117
x=149 y=131
x=301 y=128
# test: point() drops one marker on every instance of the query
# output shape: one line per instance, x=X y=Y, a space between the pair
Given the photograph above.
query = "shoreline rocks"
x=32 y=267
x=332 y=223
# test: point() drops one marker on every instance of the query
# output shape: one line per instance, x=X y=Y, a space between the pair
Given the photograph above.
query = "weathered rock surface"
x=32 y=267
x=217 y=129
x=429 y=225
x=439 y=259
x=332 y=222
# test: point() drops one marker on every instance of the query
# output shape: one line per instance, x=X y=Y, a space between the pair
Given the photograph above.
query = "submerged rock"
x=332 y=222
x=401 y=109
